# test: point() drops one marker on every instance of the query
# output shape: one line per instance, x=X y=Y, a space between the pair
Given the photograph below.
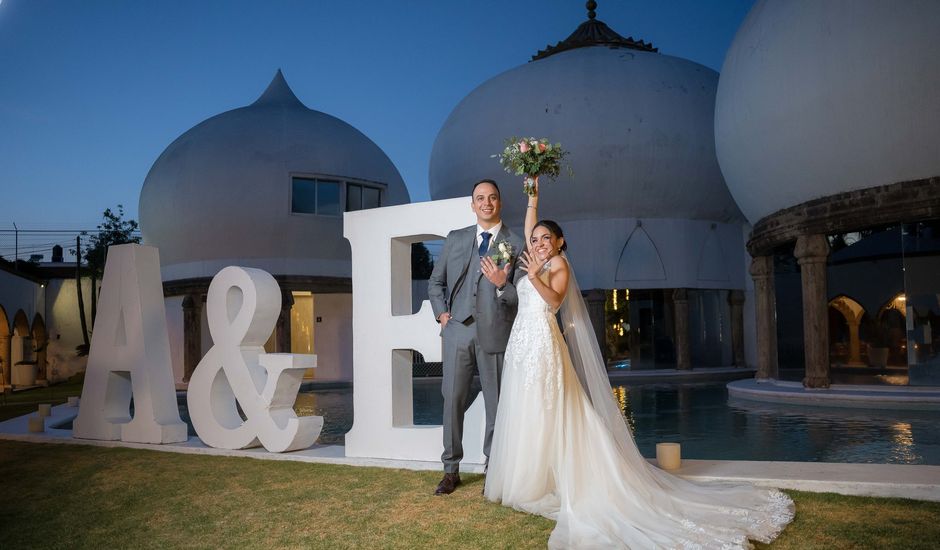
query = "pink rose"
x=523 y=147
x=541 y=147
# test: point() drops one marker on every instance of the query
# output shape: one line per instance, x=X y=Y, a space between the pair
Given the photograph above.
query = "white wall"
x=174 y=328
x=333 y=336
x=20 y=293
x=64 y=326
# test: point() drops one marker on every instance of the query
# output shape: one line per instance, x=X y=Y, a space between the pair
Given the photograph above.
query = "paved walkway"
x=881 y=480
x=838 y=395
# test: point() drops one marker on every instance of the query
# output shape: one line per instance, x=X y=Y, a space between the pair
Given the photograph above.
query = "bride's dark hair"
x=554 y=229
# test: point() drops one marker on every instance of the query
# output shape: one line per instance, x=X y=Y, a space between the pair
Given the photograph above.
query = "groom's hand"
x=443 y=319
x=493 y=273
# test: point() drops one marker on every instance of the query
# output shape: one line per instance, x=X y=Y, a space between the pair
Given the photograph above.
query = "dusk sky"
x=91 y=92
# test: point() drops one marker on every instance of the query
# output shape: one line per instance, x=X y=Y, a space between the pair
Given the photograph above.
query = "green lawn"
x=79 y=496
x=27 y=401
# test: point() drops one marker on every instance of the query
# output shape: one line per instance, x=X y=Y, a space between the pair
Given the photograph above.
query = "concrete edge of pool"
x=919 y=482
x=838 y=395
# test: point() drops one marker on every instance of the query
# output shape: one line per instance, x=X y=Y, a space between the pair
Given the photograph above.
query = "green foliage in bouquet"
x=531 y=157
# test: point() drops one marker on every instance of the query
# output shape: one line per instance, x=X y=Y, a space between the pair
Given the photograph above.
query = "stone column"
x=811 y=252
x=192 y=334
x=765 y=305
x=736 y=299
x=5 y=371
x=680 y=298
x=282 y=336
x=855 y=353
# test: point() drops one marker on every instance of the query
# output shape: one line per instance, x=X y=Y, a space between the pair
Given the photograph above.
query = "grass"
x=81 y=496
x=27 y=401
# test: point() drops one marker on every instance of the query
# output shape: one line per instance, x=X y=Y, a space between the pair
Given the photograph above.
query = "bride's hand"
x=532 y=264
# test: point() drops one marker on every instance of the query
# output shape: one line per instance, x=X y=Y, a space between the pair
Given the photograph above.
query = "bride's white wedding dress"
x=558 y=452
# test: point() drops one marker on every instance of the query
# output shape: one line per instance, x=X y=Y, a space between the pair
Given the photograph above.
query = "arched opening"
x=22 y=359
x=845 y=320
x=888 y=332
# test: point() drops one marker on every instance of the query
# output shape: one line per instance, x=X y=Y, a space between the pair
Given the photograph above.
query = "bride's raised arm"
x=531 y=215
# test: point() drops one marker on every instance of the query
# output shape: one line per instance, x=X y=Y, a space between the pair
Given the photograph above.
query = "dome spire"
x=278 y=92
x=594 y=32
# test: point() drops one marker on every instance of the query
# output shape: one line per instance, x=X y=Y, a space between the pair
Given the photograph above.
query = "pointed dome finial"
x=593 y=32
x=278 y=92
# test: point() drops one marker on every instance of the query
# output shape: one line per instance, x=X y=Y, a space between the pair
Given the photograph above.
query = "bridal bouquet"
x=531 y=157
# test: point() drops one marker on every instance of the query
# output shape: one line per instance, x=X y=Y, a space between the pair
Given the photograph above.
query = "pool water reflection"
x=700 y=417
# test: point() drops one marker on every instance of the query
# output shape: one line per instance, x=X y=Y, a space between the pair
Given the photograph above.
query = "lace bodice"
x=530 y=301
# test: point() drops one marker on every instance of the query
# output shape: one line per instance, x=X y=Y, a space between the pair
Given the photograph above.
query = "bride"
x=561 y=448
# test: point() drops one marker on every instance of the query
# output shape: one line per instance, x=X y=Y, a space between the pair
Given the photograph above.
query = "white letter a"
x=130 y=355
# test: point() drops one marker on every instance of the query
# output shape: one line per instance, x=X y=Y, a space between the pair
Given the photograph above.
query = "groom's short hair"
x=481 y=182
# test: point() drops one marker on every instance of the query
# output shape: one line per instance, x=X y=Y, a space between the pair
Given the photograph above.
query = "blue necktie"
x=485 y=244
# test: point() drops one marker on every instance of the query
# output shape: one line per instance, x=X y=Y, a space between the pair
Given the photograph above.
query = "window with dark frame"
x=323 y=196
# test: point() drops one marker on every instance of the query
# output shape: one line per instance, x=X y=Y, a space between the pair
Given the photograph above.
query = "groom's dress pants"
x=462 y=356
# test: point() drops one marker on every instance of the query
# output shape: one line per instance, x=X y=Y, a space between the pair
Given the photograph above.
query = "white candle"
x=668 y=456
x=45 y=409
x=37 y=424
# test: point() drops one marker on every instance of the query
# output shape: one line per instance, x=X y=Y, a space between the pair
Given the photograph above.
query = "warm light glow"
x=615 y=299
x=903 y=442
x=302 y=339
x=620 y=394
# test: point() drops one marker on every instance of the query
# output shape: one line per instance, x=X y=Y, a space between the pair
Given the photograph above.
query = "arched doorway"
x=23 y=364
x=890 y=330
x=845 y=319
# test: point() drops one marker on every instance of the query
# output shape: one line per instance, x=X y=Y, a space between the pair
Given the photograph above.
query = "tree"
x=421 y=262
x=113 y=230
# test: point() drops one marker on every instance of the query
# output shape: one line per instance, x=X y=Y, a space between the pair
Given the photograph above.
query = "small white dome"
x=221 y=192
x=639 y=127
x=819 y=98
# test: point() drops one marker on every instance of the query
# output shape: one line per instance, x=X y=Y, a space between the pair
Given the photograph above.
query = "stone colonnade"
x=812 y=253
x=808 y=224
x=595 y=300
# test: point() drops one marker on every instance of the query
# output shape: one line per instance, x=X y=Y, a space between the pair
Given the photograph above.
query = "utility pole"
x=78 y=289
x=16 y=240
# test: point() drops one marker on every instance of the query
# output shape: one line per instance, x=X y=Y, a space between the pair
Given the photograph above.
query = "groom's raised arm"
x=438 y=280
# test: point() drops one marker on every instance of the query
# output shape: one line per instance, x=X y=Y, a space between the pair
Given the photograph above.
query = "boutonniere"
x=502 y=252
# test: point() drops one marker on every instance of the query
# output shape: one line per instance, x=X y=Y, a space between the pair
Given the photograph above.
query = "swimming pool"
x=700 y=417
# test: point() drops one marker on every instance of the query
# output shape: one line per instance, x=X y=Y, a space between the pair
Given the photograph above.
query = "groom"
x=475 y=302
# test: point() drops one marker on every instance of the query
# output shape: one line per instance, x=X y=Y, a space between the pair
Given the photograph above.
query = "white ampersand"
x=242 y=306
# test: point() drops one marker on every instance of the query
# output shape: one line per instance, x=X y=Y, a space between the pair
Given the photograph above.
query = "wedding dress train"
x=558 y=451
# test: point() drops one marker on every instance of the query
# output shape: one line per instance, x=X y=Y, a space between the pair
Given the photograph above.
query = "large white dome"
x=221 y=192
x=818 y=98
x=639 y=126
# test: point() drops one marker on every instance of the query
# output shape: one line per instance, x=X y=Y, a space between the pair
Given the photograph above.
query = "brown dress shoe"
x=448 y=484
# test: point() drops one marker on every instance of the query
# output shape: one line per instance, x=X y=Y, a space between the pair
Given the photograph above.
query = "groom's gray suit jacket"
x=476 y=335
x=457 y=285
